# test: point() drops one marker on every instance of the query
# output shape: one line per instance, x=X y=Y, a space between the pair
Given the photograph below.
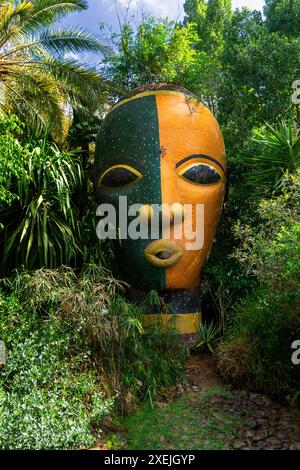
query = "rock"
x=258 y=437
x=273 y=443
x=261 y=445
x=295 y=446
x=218 y=416
x=253 y=424
x=180 y=388
x=282 y=435
x=237 y=444
x=294 y=436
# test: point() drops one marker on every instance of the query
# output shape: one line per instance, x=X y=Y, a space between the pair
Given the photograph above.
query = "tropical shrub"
x=12 y=156
x=256 y=349
x=136 y=362
x=40 y=227
x=279 y=152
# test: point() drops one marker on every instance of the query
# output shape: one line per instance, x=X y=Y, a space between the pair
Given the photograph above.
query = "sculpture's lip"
x=163 y=253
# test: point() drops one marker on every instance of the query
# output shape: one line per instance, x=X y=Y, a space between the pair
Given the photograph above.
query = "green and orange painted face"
x=162 y=147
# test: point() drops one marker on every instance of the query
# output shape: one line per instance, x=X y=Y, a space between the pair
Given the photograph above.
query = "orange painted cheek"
x=182 y=134
x=186 y=274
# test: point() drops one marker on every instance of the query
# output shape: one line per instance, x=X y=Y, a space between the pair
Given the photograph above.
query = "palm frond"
x=82 y=87
x=57 y=41
x=46 y=12
x=40 y=94
x=37 y=80
x=71 y=74
x=19 y=99
x=12 y=18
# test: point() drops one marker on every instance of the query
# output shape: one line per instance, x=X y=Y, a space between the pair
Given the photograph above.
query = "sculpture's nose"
x=167 y=215
x=146 y=213
x=177 y=213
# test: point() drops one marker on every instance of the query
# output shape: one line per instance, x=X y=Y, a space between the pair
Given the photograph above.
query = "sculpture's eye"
x=200 y=173
x=119 y=176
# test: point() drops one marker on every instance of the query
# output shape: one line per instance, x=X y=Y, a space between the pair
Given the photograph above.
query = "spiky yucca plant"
x=39 y=228
x=280 y=152
x=39 y=79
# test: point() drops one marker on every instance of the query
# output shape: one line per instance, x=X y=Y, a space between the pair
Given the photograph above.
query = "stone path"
x=264 y=423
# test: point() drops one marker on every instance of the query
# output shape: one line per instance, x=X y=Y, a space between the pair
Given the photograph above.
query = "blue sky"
x=105 y=11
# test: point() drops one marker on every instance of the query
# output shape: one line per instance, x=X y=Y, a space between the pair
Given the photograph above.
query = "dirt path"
x=206 y=414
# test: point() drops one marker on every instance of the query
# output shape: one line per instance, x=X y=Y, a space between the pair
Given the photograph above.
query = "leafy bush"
x=40 y=227
x=256 y=350
x=47 y=211
x=257 y=346
x=12 y=156
x=50 y=398
x=135 y=361
x=157 y=51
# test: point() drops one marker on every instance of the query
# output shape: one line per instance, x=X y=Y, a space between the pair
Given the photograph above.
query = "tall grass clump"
x=135 y=361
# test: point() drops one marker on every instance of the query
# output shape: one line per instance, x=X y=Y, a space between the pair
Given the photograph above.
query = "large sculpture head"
x=160 y=147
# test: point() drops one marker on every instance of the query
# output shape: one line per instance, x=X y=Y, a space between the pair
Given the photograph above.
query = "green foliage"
x=277 y=229
x=210 y=17
x=60 y=330
x=208 y=335
x=39 y=228
x=283 y=16
x=280 y=152
x=256 y=352
x=50 y=398
x=195 y=423
x=12 y=156
x=257 y=345
x=259 y=68
x=159 y=52
x=137 y=362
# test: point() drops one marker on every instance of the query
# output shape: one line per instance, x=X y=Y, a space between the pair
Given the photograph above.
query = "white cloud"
x=251 y=4
x=72 y=55
x=164 y=8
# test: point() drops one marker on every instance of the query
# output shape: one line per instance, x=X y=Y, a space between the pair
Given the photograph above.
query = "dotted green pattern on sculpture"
x=130 y=136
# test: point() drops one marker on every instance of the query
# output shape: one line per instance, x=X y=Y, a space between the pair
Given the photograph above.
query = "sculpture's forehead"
x=156 y=124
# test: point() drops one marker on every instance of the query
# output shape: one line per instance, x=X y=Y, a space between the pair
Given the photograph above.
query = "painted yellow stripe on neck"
x=186 y=323
x=150 y=93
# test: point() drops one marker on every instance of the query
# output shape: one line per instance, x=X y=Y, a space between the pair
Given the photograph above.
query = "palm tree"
x=39 y=78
